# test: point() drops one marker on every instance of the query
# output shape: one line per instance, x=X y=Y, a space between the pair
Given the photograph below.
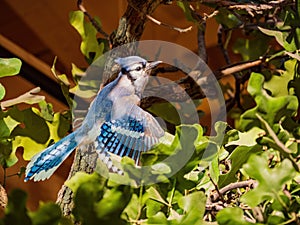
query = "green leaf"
x=251 y=49
x=7 y=159
x=47 y=214
x=153 y=207
x=227 y=19
x=4 y=130
x=270 y=181
x=194 y=208
x=184 y=151
x=282 y=37
x=271 y=109
x=113 y=203
x=155 y=195
x=57 y=129
x=132 y=209
x=2 y=91
x=168 y=112
x=10 y=123
x=89 y=47
x=278 y=84
x=158 y=218
x=16 y=212
x=185 y=6
x=232 y=216
x=88 y=190
x=247 y=138
x=9 y=67
x=93 y=203
x=31 y=147
x=81 y=178
x=238 y=157
x=46 y=110
x=31 y=125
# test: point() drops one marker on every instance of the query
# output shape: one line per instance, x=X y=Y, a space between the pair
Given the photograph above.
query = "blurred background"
x=38 y=31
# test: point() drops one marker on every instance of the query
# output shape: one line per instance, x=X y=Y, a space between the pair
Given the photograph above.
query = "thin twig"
x=274 y=136
x=220 y=195
x=258 y=214
x=93 y=21
x=221 y=45
x=231 y=186
x=201 y=34
x=240 y=67
x=180 y=30
x=208 y=16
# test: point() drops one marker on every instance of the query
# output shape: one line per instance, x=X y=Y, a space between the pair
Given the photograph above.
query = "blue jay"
x=115 y=123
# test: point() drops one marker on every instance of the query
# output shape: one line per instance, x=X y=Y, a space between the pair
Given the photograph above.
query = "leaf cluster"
x=246 y=174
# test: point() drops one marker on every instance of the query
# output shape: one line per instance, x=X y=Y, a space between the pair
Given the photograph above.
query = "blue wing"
x=130 y=135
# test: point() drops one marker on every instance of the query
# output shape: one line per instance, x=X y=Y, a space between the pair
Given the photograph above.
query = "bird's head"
x=137 y=70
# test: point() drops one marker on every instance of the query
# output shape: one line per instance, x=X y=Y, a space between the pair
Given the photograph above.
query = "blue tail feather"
x=43 y=164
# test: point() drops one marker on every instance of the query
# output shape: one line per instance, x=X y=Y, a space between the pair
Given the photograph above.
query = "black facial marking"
x=130 y=77
x=124 y=71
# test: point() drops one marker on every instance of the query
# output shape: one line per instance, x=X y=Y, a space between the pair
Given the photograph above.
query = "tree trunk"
x=130 y=29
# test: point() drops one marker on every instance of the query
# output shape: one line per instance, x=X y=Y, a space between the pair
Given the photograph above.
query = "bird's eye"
x=138 y=68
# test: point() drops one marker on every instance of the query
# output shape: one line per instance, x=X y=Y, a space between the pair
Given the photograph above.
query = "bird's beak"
x=151 y=65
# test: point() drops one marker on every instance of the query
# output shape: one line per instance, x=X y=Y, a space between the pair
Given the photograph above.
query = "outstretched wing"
x=135 y=132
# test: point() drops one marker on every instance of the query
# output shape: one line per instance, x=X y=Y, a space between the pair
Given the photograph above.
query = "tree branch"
x=29 y=97
x=180 y=30
x=231 y=186
x=93 y=21
x=238 y=67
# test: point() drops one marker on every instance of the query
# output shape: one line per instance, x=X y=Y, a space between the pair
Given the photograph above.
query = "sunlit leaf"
x=90 y=47
x=30 y=146
x=9 y=67
x=2 y=91
x=155 y=195
x=158 y=218
x=272 y=109
x=81 y=178
x=282 y=37
x=10 y=123
x=153 y=207
x=232 y=216
x=132 y=209
x=270 y=181
x=46 y=111
x=247 y=138
x=194 y=208
x=37 y=133
x=278 y=84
